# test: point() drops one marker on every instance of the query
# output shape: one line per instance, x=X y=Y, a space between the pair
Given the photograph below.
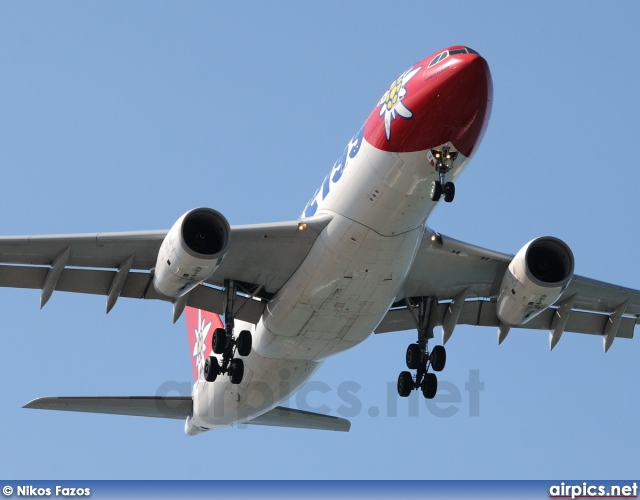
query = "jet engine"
x=191 y=251
x=535 y=279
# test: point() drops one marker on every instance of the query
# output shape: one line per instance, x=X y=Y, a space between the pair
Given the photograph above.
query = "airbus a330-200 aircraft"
x=360 y=259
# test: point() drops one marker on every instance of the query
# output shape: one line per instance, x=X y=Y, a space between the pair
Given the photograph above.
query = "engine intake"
x=535 y=279
x=204 y=232
x=191 y=252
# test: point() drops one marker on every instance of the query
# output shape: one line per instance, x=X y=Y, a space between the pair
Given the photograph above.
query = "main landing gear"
x=223 y=342
x=443 y=163
x=418 y=356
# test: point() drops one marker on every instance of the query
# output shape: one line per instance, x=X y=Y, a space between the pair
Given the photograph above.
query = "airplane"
x=266 y=304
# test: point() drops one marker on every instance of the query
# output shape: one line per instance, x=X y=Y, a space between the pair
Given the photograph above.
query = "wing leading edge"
x=262 y=256
x=464 y=281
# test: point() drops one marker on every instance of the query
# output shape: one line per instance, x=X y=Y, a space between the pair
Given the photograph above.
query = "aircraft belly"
x=266 y=383
x=339 y=294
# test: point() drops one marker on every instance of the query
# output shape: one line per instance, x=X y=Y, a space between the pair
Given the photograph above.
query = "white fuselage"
x=379 y=203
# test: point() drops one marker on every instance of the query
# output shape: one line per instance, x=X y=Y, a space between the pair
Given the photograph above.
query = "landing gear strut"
x=444 y=159
x=418 y=356
x=223 y=342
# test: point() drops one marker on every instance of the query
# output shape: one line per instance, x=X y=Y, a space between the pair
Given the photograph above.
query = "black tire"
x=219 y=340
x=405 y=384
x=236 y=370
x=413 y=356
x=211 y=369
x=429 y=386
x=449 y=192
x=438 y=358
x=243 y=343
x=436 y=190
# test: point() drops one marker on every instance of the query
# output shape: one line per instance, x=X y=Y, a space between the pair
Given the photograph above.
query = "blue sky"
x=123 y=115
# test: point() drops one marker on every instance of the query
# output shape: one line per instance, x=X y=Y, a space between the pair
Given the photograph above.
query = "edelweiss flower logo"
x=201 y=341
x=391 y=102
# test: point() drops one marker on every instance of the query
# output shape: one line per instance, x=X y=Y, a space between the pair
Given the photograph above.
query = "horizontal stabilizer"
x=180 y=408
x=137 y=406
x=287 y=417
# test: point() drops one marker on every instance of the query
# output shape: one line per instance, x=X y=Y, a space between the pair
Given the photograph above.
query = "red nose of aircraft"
x=445 y=97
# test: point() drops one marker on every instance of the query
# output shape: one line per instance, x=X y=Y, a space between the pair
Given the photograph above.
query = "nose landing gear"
x=442 y=160
x=223 y=342
x=418 y=356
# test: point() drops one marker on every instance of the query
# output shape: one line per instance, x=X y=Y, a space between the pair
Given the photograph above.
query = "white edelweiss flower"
x=391 y=102
x=201 y=341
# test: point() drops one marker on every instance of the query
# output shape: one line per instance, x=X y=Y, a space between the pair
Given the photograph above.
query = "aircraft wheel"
x=438 y=358
x=449 y=192
x=429 y=386
x=219 y=340
x=211 y=369
x=243 y=343
x=405 y=384
x=436 y=190
x=236 y=370
x=413 y=356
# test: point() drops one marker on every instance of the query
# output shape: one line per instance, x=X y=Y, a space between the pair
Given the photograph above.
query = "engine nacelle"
x=191 y=251
x=535 y=279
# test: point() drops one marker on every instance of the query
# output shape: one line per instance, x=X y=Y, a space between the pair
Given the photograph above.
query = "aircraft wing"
x=450 y=269
x=180 y=407
x=261 y=258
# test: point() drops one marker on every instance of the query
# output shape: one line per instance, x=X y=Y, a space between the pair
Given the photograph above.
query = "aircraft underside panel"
x=339 y=294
